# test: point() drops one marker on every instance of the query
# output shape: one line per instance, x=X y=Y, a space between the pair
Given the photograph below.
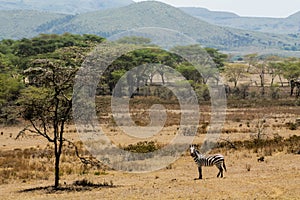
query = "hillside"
x=106 y=23
x=62 y=6
x=208 y=15
x=289 y=25
x=155 y=14
x=144 y=14
x=23 y=23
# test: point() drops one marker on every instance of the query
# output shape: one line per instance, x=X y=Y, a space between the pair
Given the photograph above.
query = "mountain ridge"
x=157 y=14
x=154 y=14
x=62 y=6
x=288 y=25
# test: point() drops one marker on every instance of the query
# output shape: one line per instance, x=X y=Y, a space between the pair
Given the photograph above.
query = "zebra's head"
x=192 y=150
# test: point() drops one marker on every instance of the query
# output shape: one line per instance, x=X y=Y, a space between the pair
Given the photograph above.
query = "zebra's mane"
x=197 y=152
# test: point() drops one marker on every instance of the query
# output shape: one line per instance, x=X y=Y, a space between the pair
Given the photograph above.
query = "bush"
x=292 y=126
x=87 y=183
x=202 y=92
x=142 y=147
x=274 y=92
x=267 y=146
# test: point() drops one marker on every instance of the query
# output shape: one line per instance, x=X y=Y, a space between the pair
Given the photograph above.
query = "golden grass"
x=28 y=162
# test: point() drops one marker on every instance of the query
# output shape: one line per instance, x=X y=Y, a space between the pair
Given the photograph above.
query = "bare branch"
x=92 y=161
x=23 y=132
x=37 y=130
x=229 y=142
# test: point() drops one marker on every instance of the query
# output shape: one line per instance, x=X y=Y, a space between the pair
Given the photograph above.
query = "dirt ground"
x=278 y=177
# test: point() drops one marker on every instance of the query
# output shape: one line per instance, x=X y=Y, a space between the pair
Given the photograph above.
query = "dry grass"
x=272 y=179
x=35 y=163
x=28 y=163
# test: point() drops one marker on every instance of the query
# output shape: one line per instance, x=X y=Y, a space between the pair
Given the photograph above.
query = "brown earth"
x=278 y=177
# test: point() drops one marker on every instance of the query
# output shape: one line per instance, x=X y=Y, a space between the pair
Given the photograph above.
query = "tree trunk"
x=56 y=183
x=272 y=80
x=280 y=80
x=58 y=144
x=58 y=151
x=56 y=170
x=262 y=82
x=262 y=79
x=162 y=78
x=235 y=84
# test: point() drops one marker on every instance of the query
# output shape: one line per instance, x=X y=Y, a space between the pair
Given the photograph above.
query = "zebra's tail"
x=224 y=165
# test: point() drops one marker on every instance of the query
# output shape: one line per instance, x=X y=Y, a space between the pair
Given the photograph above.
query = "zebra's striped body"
x=201 y=160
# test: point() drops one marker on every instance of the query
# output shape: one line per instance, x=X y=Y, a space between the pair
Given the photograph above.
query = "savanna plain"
x=253 y=129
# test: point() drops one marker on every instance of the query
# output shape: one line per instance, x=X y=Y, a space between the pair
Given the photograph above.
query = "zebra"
x=293 y=85
x=202 y=160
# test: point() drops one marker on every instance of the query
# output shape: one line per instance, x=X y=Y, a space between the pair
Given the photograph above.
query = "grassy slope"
x=154 y=14
x=21 y=23
x=144 y=14
x=62 y=6
x=263 y=24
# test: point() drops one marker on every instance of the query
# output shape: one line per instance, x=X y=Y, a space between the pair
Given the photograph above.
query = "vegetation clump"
x=278 y=143
x=143 y=147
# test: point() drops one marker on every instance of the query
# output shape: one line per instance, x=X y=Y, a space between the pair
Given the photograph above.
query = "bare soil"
x=278 y=177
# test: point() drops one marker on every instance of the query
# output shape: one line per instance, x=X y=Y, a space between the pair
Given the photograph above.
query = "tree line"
x=23 y=63
x=284 y=69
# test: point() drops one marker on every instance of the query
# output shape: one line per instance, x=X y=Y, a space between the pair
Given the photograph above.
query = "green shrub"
x=292 y=126
x=142 y=147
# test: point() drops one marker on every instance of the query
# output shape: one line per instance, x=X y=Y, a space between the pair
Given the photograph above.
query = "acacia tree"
x=207 y=62
x=275 y=69
x=189 y=72
x=48 y=106
x=291 y=70
x=235 y=71
x=252 y=59
x=261 y=70
x=217 y=57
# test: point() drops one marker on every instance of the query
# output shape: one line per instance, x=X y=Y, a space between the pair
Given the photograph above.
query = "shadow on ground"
x=79 y=185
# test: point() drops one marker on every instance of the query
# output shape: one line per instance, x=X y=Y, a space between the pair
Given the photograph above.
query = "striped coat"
x=202 y=160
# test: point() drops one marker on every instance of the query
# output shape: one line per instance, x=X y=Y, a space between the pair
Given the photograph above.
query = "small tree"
x=275 y=69
x=235 y=71
x=251 y=59
x=261 y=70
x=48 y=107
x=260 y=130
x=217 y=57
x=291 y=70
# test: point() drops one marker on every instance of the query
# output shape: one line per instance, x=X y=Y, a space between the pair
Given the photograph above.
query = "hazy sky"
x=259 y=8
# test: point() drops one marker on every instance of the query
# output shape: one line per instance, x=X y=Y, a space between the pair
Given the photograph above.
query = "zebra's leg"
x=292 y=90
x=220 y=172
x=292 y=86
x=200 y=172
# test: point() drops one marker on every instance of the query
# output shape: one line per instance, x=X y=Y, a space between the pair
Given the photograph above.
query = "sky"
x=253 y=8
